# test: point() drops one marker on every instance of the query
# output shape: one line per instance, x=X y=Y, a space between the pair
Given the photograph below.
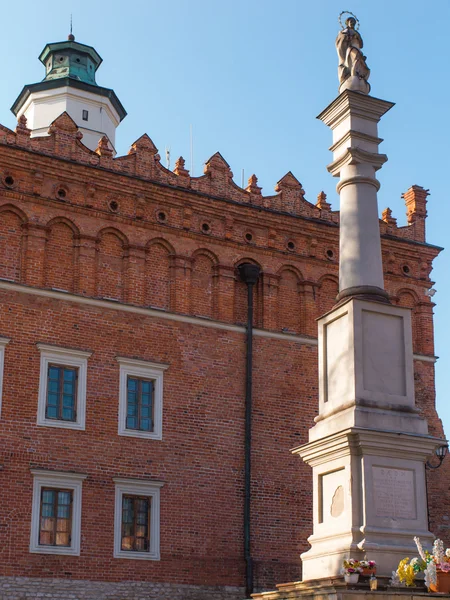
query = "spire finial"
x=71 y=37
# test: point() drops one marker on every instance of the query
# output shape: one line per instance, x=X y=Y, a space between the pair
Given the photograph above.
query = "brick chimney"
x=416 y=210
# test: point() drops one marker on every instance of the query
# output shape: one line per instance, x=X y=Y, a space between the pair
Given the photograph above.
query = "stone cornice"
x=378 y=442
x=353 y=156
x=356 y=104
x=351 y=134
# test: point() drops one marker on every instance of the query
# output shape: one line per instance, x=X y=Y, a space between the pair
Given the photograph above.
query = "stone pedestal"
x=369 y=444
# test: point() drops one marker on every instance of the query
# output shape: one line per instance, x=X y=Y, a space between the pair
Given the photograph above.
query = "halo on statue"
x=347 y=12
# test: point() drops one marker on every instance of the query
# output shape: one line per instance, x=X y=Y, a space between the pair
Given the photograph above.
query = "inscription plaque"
x=394 y=493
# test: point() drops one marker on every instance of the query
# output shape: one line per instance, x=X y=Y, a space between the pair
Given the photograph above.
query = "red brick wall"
x=131 y=256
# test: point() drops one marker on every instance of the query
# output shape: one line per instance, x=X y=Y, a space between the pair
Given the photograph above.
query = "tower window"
x=85 y=115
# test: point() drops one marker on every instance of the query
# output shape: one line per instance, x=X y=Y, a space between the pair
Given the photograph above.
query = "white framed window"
x=3 y=343
x=140 y=398
x=137 y=519
x=62 y=387
x=56 y=512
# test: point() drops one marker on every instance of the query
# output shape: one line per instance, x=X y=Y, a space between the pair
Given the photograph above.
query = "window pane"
x=127 y=543
x=131 y=423
x=132 y=384
x=48 y=496
x=55 y=531
x=68 y=387
x=52 y=412
x=53 y=386
x=147 y=387
x=62 y=539
x=68 y=400
x=45 y=538
x=53 y=373
x=69 y=375
x=47 y=524
x=68 y=414
x=52 y=399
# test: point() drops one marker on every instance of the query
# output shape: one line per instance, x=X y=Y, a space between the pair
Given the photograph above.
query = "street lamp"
x=441 y=453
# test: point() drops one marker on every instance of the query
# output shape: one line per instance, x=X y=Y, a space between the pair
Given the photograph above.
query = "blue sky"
x=250 y=76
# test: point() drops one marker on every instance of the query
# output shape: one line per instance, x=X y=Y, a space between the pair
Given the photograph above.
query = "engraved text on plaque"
x=394 y=493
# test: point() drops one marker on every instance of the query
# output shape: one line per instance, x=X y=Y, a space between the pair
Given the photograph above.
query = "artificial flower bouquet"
x=351 y=566
x=431 y=564
x=368 y=567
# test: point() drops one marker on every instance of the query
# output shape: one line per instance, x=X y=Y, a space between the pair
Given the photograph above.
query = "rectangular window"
x=140 y=398
x=137 y=519
x=61 y=393
x=135 y=523
x=140 y=404
x=56 y=512
x=55 y=517
x=62 y=387
x=85 y=115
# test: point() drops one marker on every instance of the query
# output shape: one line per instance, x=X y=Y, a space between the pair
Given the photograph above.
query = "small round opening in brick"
x=248 y=237
x=61 y=58
x=61 y=193
x=162 y=217
x=206 y=228
x=406 y=269
x=291 y=246
x=9 y=180
x=330 y=253
x=114 y=206
x=78 y=60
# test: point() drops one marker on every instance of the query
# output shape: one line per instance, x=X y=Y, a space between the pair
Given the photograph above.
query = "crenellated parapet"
x=65 y=141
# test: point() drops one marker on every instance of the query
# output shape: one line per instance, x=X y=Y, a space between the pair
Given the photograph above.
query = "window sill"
x=137 y=555
x=54 y=550
x=61 y=424
x=136 y=433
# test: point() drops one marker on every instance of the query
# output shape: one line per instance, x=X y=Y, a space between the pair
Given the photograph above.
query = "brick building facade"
x=119 y=270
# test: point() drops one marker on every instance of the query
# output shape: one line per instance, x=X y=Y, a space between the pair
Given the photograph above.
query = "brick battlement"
x=143 y=164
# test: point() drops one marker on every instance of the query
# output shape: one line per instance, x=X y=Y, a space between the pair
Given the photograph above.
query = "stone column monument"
x=369 y=444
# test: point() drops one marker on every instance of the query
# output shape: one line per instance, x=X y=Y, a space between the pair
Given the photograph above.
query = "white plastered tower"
x=69 y=86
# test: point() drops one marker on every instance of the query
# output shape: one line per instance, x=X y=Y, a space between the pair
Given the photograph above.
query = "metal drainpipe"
x=249 y=274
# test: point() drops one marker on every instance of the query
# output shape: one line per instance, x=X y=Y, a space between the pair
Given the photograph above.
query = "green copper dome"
x=73 y=65
x=70 y=59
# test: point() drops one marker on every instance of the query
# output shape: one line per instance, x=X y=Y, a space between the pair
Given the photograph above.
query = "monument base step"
x=337 y=589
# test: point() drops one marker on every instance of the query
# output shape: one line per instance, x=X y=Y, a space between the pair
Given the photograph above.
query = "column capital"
x=352 y=104
x=356 y=156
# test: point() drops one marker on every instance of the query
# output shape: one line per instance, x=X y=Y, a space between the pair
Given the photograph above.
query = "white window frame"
x=145 y=370
x=57 y=480
x=68 y=358
x=138 y=487
x=3 y=343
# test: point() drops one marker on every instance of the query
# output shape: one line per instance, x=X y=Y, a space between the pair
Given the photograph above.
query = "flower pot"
x=367 y=571
x=442 y=582
x=351 y=578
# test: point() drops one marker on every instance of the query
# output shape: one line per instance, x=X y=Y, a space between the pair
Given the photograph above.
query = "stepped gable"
x=291 y=197
x=218 y=181
x=64 y=141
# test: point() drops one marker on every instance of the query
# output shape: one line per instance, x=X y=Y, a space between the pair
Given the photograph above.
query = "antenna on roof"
x=168 y=157
x=192 y=150
x=71 y=37
x=242 y=178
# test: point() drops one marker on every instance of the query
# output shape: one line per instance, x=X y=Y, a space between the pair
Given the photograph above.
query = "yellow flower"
x=406 y=572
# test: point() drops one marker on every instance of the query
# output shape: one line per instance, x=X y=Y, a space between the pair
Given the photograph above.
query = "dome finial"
x=71 y=37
